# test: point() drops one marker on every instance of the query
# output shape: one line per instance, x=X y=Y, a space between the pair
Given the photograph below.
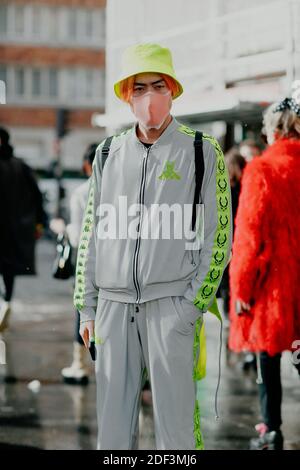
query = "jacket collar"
x=163 y=138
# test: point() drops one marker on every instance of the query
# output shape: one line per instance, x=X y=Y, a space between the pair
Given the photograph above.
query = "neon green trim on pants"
x=205 y=298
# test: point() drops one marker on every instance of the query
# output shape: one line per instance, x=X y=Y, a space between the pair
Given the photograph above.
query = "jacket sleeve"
x=215 y=252
x=250 y=252
x=86 y=291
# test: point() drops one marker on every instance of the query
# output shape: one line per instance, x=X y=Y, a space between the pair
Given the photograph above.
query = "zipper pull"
x=137 y=308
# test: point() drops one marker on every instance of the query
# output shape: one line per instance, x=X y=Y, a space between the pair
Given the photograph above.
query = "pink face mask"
x=152 y=109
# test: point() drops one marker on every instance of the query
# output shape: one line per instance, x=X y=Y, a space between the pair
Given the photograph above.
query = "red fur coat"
x=265 y=266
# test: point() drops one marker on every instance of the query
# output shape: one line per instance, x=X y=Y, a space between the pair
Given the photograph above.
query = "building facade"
x=232 y=56
x=52 y=56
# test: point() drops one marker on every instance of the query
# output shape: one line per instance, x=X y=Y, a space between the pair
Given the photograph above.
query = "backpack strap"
x=105 y=150
x=199 y=172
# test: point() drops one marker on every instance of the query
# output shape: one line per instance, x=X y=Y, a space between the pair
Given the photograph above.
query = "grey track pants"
x=160 y=338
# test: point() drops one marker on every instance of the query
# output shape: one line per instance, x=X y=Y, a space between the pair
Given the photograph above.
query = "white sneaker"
x=75 y=375
x=77 y=372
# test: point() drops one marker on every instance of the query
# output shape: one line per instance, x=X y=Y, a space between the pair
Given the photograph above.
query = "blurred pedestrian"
x=142 y=298
x=22 y=218
x=265 y=267
x=77 y=372
x=249 y=149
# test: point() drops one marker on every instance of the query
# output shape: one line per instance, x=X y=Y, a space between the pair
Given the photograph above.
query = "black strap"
x=105 y=151
x=199 y=172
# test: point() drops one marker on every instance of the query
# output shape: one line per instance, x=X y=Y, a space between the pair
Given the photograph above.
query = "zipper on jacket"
x=138 y=240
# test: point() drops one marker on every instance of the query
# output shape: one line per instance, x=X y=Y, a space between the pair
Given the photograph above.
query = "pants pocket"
x=183 y=324
x=100 y=321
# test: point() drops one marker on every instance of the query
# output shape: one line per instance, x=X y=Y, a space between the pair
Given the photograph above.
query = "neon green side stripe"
x=206 y=293
x=87 y=230
x=199 y=444
x=199 y=372
x=186 y=130
x=79 y=292
x=205 y=297
x=199 y=351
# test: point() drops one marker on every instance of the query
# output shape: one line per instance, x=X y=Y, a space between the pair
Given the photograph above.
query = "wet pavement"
x=58 y=416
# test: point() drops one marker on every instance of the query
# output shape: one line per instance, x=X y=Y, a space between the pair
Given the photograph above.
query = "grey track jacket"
x=138 y=270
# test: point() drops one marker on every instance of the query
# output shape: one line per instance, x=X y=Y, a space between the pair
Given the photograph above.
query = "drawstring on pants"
x=217 y=417
x=136 y=309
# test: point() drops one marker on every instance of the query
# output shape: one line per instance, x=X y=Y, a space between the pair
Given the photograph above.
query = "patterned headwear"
x=288 y=103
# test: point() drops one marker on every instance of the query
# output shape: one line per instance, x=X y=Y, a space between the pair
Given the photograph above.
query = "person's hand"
x=57 y=225
x=87 y=331
x=245 y=307
x=242 y=307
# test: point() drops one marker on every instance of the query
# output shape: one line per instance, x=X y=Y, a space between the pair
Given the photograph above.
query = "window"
x=72 y=23
x=99 y=24
x=36 y=20
x=65 y=24
x=53 y=23
x=89 y=84
x=83 y=85
x=19 y=82
x=53 y=83
x=19 y=20
x=88 y=24
x=71 y=83
x=3 y=19
x=36 y=83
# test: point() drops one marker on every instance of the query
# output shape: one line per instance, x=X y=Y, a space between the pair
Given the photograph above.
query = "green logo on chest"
x=169 y=173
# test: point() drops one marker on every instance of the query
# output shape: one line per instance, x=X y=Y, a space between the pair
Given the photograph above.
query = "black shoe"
x=272 y=440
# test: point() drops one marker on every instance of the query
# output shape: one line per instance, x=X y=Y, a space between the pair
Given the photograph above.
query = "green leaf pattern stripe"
x=86 y=233
x=219 y=259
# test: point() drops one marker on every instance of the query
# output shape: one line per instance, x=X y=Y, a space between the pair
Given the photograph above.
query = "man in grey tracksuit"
x=143 y=297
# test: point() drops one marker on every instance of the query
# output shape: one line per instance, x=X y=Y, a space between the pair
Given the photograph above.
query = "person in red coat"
x=265 y=266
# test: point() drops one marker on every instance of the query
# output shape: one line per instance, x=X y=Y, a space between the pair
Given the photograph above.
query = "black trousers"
x=270 y=391
x=9 y=280
x=78 y=338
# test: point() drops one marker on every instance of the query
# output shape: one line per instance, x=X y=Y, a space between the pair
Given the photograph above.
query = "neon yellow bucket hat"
x=143 y=58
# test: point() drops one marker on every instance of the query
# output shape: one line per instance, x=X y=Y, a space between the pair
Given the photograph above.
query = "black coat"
x=21 y=208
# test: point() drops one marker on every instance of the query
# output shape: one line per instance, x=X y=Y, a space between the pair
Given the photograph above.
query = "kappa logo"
x=169 y=172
